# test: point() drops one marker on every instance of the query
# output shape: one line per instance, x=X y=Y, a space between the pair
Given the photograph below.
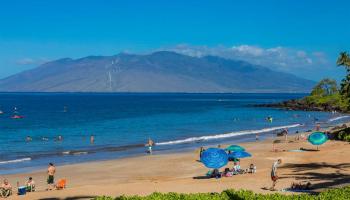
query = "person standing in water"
x=51 y=170
x=318 y=127
x=150 y=144
x=92 y=139
x=285 y=134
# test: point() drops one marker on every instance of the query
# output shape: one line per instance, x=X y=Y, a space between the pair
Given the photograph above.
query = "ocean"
x=122 y=123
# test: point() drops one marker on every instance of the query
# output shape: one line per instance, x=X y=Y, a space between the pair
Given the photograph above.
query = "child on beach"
x=252 y=169
x=30 y=185
x=6 y=189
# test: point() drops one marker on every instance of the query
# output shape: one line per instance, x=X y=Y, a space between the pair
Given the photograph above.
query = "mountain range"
x=161 y=71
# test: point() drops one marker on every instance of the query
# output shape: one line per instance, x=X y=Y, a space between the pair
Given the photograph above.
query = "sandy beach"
x=181 y=172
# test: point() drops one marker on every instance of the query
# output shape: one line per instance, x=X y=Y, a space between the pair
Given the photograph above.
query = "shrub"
x=340 y=193
x=343 y=135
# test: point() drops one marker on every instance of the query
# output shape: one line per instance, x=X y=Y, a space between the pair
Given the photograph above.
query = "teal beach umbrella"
x=235 y=148
x=317 y=138
x=239 y=154
x=214 y=158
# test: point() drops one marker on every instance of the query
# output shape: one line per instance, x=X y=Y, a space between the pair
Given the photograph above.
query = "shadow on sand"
x=308 y=172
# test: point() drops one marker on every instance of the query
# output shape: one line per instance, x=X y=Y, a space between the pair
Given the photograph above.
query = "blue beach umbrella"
x=317 y=138
x=239 y=154
x=235 y=148
x=214 y=158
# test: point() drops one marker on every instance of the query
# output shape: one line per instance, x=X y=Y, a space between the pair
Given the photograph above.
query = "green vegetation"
x=340 y=193
x=326 y=96
x=344 y=60
x=343 y=134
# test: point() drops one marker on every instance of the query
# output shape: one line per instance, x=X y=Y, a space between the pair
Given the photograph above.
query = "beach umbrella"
x=214 y=158
x=317 y=138
x=235 y=148
x=239 y=154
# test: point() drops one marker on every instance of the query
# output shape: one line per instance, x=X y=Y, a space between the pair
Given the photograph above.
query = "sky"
x=298 y=37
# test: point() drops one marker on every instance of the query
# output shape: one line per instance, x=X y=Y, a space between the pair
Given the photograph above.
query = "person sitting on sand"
x=237 y=168
x=6 y=189
x=215 y=174
x=227 y=172
x=274 y=176
x=51 y=170
x=30 y=185
x=252 y=169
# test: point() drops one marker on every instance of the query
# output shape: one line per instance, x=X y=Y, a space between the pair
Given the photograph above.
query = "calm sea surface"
x=122 y=123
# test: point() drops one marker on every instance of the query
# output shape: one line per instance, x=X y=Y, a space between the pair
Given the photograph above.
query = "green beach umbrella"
x=239 y=154
x=317 y=138
x=235 y=148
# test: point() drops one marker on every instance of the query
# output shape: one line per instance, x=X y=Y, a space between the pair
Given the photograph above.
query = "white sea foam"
x=226 y=135
x=15 y=161
x=338 y=118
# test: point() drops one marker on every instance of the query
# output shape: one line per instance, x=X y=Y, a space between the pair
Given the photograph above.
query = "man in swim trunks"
x=274 y=176
x=51 y=170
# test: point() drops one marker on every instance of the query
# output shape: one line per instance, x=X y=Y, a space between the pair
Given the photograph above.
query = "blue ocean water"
x=122 y=124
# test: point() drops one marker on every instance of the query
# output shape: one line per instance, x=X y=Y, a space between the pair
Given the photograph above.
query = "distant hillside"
x=157 y=72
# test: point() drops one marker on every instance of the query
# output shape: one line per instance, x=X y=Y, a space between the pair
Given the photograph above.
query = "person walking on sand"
x=274 y=176
x=51 y=170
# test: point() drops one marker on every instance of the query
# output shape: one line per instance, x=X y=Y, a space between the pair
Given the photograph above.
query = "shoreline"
x=175 y=172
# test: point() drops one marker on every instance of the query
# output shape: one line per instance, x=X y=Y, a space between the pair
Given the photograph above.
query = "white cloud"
x=31 y=61
x=277 y=58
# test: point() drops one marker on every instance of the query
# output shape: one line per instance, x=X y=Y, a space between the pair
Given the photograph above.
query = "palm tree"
x=344 y=60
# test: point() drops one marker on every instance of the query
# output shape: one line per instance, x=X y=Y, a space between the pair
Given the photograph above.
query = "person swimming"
x=269 y=119
x=29 y=139
x=59 y=138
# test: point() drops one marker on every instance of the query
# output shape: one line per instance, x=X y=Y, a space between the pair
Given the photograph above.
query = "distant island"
x=326 y=95
x=162 y=71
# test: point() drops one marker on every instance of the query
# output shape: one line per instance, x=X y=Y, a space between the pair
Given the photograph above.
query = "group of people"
x=235 y=170
x=6 y=188
x=59 y=138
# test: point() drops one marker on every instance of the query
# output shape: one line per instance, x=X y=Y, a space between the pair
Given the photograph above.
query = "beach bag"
x=61 y=184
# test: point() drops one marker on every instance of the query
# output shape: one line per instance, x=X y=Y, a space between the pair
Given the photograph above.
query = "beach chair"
x=61 y=184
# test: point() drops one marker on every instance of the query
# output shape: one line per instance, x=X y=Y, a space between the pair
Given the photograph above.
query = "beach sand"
x=329 y=167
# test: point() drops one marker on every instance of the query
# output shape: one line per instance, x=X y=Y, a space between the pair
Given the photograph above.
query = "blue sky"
x=300 y=37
